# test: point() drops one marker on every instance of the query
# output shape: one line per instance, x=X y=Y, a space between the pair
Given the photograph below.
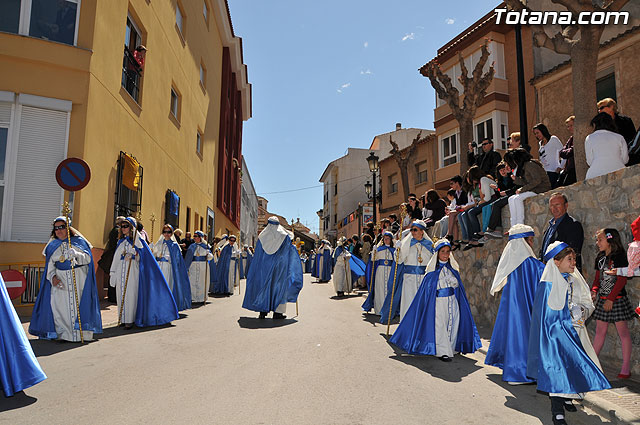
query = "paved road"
x=222 y=365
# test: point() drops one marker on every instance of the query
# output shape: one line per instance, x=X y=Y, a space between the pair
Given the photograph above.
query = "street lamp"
x=367 y=188
x=372 y=159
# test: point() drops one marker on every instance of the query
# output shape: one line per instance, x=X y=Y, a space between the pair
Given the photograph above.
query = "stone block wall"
x=613 y=201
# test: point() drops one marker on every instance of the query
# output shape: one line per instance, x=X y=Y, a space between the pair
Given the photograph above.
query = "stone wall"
x=607 y=201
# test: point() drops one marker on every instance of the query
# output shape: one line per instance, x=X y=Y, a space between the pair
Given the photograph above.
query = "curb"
x=605 y=408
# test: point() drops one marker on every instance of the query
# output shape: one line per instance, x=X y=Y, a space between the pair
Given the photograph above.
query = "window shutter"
x=5 y=113
x=41 y=147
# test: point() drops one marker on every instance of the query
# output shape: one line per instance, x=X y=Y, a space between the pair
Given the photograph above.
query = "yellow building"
x=71 y=86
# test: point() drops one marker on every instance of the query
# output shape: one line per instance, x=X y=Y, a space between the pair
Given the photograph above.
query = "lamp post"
x=372 y=159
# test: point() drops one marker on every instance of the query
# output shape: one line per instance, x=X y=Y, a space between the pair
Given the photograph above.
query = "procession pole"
x=66 y=210
x=294 y=235
x=403 y=212
x=152 y=219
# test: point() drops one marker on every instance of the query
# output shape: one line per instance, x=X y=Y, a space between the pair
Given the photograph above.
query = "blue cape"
x=181 y=285
x=249 y=261
x=19 y=368
x=42 y=324
x=370 y=273
x=213 y=275
x=416 y=333
x=397 y=292
x=314 y=266
x=510 y=338
x=188 y=258
x=273 y=279
x=308 y=264
x=223 y=268
x=156 y=305
x=327 y=265
x=556 y=358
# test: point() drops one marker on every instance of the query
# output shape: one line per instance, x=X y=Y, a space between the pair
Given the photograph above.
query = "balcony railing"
x=131 y=74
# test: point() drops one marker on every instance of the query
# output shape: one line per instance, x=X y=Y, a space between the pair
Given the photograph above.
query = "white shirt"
x=606 y=152
x=550 y=154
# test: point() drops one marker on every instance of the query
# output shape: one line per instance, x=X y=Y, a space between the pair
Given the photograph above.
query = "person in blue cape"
x=218 y=243
x=380 y=267
x=169 y=257
x=325 y=262
x=517 y=275
x=561 y=358
x=228 y=268
x=275 y=277
x=19 y=368
x=245 y=261
x=143 y=295
x=439 y=321
x=55 y=314
x=197 y=261
x=308 y=264
x=415 y=250
x=314 y=265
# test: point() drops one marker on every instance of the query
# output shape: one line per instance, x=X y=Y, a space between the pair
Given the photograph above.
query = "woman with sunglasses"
x=55 y=315
x=439 y=321
x=169 y=257
x=139 y=282
x=416 y=250
x=197 y=261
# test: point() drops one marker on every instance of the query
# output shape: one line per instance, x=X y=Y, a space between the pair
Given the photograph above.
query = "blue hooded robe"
x=556 y=358
x=327 y=265
x=371 y=283
x=181 y=285
x=156 y=305
x=273 y=279
x=223 y=268
x=19 y=368
x=42 y=322
x=416 y=333
x=510 y=338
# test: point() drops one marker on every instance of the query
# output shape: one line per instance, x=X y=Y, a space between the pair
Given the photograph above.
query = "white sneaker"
x=494 y=234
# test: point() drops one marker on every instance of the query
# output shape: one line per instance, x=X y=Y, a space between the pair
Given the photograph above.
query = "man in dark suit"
x=562 y=227
x=487 y=159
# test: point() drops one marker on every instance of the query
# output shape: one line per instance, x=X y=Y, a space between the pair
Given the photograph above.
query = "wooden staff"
x=403 y=212
x=66 y=210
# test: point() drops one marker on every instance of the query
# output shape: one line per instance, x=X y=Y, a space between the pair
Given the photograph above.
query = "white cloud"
x=420 y=27
x=367 y=72
x=449 y=21
x=410 y=36
x=366 y=44
x=342 y=87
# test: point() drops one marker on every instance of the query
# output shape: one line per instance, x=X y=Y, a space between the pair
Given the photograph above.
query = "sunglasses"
x=485 y=144
x=168 y=232
x=62 y=226
x=124 y=226
x=601 y=108
x=414 y=229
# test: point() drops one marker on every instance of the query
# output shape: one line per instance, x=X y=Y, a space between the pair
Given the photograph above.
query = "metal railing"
x=131 y=74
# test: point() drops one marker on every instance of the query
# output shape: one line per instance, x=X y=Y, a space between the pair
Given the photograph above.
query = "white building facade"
x=248 y=209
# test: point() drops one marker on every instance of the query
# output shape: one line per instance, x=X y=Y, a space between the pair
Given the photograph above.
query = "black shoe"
x=128 y=326
x=445 y=358
x=340 y=294
x=569 y=406
x=450 y=237
x=467 y=247
x=478 y=235
x=455 y=246
x=262 y=315
x=558 y=421
x=279 y=316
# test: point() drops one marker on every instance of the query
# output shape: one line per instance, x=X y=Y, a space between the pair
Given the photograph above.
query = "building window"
x=203 y=75
x=33 y=130
x=392 y=182
x=484 y=130
x=199 y=143
x=128 y=199
x=180 y=20
x=335 y=219
x=131 y=69
x=606 y=86
x=335 y=189
x=196 y=220
x=205 y=12
x=449 y=150
x=188 y=226
x=175 y=104
x=46 y=19
x=503 y=136
x=421 y=172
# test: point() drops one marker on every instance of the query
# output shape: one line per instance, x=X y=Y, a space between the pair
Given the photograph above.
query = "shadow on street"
x=345 y=297
x=256 y=323
x=523 y=399
x=18 y=401
x=454 y=371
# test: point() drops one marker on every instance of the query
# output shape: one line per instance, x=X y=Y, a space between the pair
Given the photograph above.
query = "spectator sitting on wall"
x=605 y=149
x=549 y=152
x=514 y=141
x=505 y=187
x=487 y=160
x=395 y=226
x=434 y=208
x=414 y=210
x=563 y=227
x=529 y=174
x=568 y=172
x=624 y=124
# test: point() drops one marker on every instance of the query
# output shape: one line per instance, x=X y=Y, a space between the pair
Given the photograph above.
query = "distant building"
x=248 y=209
x=343 y=190
x=301 y=231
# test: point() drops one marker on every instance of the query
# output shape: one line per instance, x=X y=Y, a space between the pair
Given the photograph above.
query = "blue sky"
x=330 y=74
